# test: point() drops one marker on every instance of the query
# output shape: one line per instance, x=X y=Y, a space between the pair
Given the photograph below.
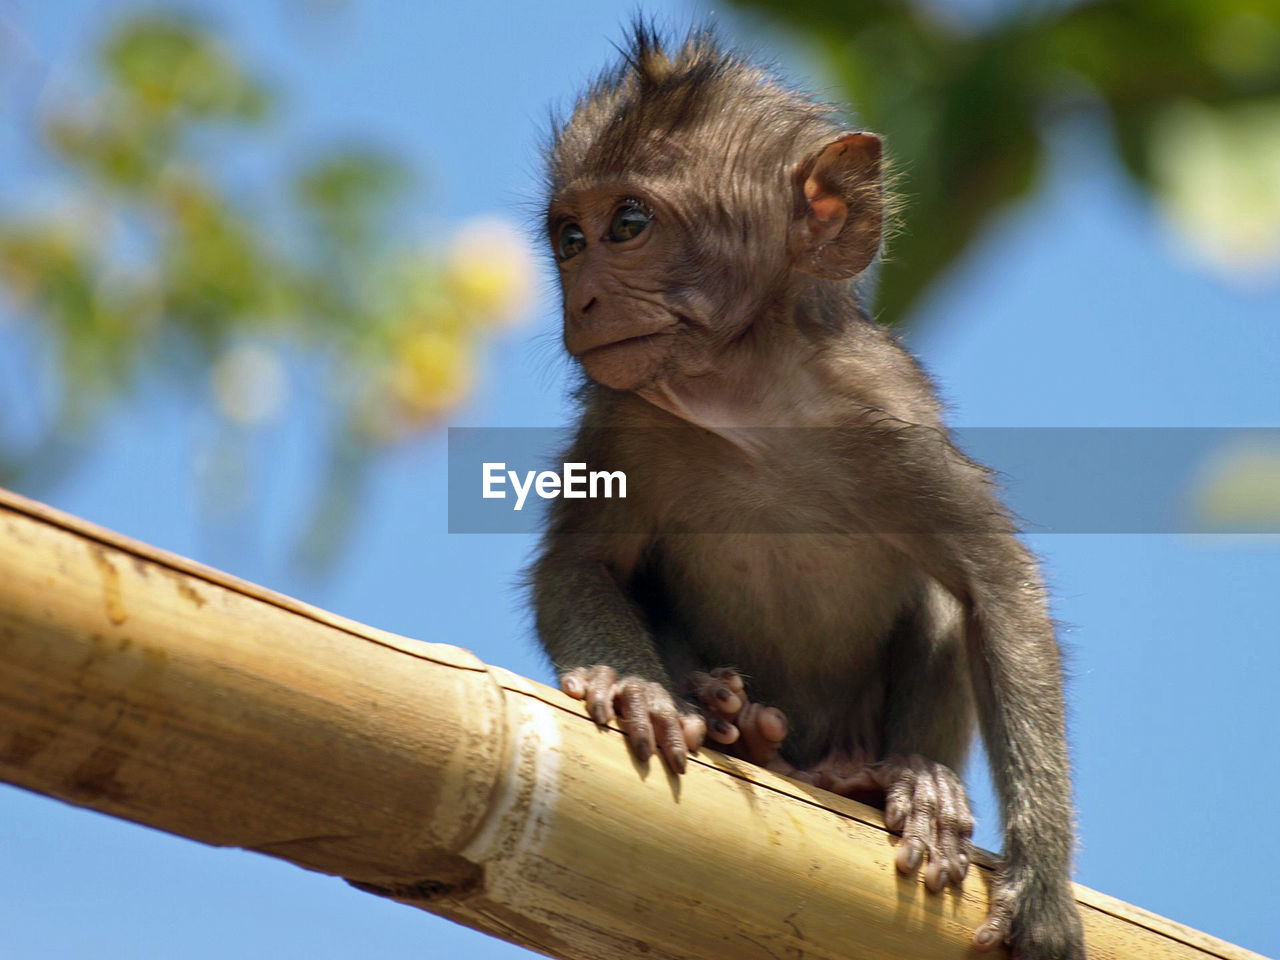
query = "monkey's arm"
x=1016 y=672
x=943 y=514
x=603 y=651
x=583 y=615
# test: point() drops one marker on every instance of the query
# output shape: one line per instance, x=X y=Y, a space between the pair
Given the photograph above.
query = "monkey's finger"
x=574 y=683
x=718 y=695
x=600 y=694
x=634 y=707
x=595 y=686
x=669 y=733
x=694 y=727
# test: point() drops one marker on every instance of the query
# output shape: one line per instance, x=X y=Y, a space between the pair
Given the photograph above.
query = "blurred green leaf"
x=165 y=65
x=155 y=261
x=349 y=190
x=963 y=105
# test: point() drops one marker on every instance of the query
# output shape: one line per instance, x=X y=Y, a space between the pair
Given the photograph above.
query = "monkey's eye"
x=570 y=242
x=629 y=221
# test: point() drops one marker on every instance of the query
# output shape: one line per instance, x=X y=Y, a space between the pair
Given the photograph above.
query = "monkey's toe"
x=721 y=691
x=762 y=730
x=721 y=731
x=754 y=732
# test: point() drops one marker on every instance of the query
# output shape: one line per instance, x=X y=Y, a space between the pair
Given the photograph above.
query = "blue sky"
x=1078 y=309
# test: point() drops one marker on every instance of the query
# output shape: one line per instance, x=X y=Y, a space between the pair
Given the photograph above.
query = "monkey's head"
x=690 y=195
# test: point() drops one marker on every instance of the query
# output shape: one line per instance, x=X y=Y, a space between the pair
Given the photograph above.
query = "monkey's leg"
x=964 y=542
x=925 y=801
x=741 y=728
x=928 y=727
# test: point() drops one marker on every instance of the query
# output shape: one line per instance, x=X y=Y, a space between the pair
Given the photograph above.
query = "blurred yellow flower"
x=432 y=371
x=489 y=270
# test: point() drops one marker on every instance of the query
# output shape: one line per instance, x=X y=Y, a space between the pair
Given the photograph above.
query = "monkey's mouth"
x=599 y=349
x=627 y=362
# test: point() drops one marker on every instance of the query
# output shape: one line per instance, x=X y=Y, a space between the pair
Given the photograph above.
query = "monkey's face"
x=659 y=282
x=614 y=252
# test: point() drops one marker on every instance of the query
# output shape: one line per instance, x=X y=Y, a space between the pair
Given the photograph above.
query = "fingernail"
x=915 y=854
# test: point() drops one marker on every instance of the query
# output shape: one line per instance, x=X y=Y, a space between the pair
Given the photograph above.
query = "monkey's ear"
x=840 y=208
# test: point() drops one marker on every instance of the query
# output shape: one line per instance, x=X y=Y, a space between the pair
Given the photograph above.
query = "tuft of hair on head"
x=637 y=113
x=645 y=55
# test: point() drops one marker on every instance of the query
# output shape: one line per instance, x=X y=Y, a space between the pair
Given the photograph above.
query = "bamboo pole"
x=144 y=685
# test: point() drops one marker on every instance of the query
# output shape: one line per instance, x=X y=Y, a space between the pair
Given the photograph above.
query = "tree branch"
x=146 y=686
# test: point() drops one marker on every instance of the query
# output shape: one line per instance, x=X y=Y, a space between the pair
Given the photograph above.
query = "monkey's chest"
x=754 y=600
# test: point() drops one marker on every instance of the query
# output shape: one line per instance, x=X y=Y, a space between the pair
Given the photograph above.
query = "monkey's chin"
x=627 y=364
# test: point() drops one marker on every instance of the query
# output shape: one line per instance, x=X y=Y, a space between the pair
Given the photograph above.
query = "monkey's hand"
x=645 y=709
x=1036 y=923
x=738 y=727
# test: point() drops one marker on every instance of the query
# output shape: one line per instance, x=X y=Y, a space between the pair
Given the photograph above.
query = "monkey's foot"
x=1035 y=923
x=645 y=709
x=738 y=727
x=923 y=800
x=927 y=802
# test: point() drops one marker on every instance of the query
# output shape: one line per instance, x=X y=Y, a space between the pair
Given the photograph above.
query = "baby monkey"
x=805 y=571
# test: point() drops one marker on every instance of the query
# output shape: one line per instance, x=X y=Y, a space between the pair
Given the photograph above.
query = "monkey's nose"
x=586 y=307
